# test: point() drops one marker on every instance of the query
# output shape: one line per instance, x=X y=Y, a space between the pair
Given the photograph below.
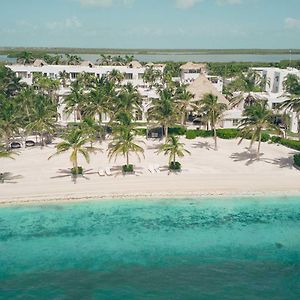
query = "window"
x=74 y=75
x=275 y=105
x=140 y=76
x=235 y=122
x=128 y=76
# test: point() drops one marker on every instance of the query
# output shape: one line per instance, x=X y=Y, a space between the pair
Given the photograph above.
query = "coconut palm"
x=291 y=84
x=73 y=59
x=75 y=101
x=9 y=119
x=152 y=76
x=10 y=84
x=43 y=117
x=75 y=141
x=123 y=142
x=47 y=86
x=64 y=78
x=213 y=110
x=257 y=118
x=183 y=101
x=246 y=85
x=115 y=76
x=5 y=154
x=174 y=149
x=104 y=60
x=164 y=110
x=25 y=58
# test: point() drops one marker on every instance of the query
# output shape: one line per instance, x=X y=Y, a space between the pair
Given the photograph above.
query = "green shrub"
x=297 y=160
x=141 y=131
x=191 y=134
x=229 y=133
x=77 y=171
x=293 y=144
x=175 y=166
x=127 y=169
x=177 y=130
x=205 y=133
x=276 y=139
x=265 y=137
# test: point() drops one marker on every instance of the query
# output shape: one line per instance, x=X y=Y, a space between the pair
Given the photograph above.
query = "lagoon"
x=193 y=248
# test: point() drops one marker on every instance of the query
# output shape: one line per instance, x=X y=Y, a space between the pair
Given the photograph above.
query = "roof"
x=39 y=63
x=135 y=64
x=201 y=86
x=87 y=63
x=192 y=66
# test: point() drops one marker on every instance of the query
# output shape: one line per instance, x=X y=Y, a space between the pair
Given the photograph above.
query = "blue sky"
x=151 y=23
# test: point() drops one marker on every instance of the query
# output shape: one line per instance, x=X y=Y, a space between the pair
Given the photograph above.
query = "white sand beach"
x=231 y=170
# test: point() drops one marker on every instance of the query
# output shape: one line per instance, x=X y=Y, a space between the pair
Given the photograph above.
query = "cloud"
x=104 y=3
x=292 y=23
x=186 y=3
x=230 y=2
x=68 y=23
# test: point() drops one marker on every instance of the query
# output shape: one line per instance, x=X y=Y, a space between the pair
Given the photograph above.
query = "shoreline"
x=47 y=200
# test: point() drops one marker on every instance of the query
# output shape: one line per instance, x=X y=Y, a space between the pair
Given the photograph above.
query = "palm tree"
x=246 y=85
x=64 y=78
x=5 y=154
x=75 y=141
x=174 y=149
x=123 y=142
x=257 y=118
x=183 y=101
x=73 y=59
x=115 y=76
x=164 y=110
x=213 y=110
x=128 y=100
x=152 y=76
x=9 y=119
x=10 y=84
x=43 y=117
x=25 y=58
x=104 y=60
x=47 y=86
x=291 y=84
x=75 y=101
x=293 y=104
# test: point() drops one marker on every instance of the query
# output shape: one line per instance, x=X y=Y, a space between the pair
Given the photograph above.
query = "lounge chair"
x=151 y=169
x=101 y=172
x=108 y=172
x=156 y=168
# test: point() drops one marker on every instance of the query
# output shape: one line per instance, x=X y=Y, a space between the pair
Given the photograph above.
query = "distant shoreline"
x=62 y=50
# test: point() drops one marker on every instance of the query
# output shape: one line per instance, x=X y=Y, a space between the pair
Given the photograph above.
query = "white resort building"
x=195 y=75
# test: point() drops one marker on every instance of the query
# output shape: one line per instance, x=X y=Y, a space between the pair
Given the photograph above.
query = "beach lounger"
x=156 y=168
x=108 y=172
x=151 y=169
x=101 y=172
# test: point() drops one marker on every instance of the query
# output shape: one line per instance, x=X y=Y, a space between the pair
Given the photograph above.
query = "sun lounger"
x=108 y=172
x=156 y=168
x=101 y=172
x=151 y=169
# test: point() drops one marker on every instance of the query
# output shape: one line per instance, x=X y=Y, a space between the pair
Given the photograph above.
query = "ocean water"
x=218 y=248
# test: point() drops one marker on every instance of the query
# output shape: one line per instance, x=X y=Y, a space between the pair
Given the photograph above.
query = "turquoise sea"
x=218 y=248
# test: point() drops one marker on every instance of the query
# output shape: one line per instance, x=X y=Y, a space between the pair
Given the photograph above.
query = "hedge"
x=293 y=144
x=177 y=130
x=228 y=133
x=297 y=159
x=194 y=133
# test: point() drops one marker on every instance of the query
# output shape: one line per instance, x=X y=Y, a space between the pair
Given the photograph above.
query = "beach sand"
x=231 y=170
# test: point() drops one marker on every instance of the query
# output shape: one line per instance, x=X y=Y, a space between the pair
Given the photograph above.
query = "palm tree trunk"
x=127 y=158
x=259 y=143
x=166 y=132
x=174 y=158
x=183 y=118
x=215 y=138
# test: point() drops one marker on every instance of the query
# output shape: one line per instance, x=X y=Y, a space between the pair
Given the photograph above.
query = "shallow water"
x=241 y=248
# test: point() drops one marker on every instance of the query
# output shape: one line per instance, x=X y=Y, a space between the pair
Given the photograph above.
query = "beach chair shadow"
x=8 y=177
x=203 y=145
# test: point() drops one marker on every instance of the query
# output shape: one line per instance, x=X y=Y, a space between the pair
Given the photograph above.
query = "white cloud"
x=186 y=3
x=68 y=23
x=230 y=2
x=292 y=23
x=104 y=3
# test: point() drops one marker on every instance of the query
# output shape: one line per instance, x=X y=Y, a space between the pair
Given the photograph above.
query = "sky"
x=180 y=24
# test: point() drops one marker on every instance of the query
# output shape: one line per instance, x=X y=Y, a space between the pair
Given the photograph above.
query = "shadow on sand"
x=7 y=177
x=203 y=145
